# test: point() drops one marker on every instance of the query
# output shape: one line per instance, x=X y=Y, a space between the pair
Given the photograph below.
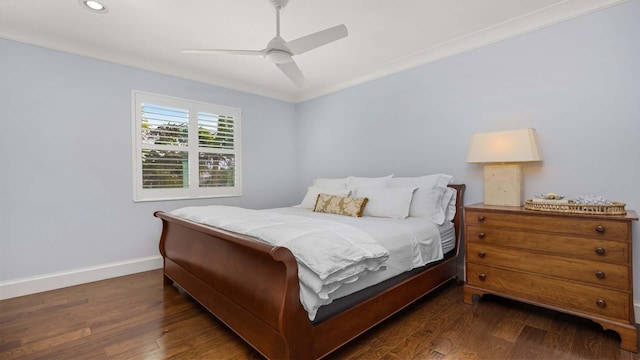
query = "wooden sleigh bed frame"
x=253 y=288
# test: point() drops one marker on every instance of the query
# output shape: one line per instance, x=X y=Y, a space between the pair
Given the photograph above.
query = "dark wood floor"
x=135 y=317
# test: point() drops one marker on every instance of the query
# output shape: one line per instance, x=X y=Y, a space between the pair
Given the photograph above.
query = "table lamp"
x=501 y=152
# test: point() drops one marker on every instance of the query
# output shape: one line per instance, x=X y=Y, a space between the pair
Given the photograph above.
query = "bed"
x=253 y=287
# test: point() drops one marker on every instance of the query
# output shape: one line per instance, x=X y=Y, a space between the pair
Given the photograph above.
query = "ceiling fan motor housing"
x=277 y=52
x=278 y=56
x=280 y=3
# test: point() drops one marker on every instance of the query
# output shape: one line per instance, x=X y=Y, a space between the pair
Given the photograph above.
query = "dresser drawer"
x=571 y=246
x=592 y=272
x=598 y=228
x=574 y=297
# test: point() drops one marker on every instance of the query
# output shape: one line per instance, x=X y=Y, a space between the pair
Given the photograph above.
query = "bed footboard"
x=250 y=286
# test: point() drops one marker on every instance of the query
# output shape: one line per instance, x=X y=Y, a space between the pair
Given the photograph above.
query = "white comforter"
x=329 y=254
x=412 y=242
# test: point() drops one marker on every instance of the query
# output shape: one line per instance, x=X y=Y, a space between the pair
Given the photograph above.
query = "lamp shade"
x=504 y=147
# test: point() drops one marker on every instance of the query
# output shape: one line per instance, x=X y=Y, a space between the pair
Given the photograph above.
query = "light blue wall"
x=65 y=149
x=577 y=83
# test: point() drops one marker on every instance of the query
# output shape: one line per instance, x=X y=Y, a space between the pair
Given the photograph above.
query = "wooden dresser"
x=578 y=264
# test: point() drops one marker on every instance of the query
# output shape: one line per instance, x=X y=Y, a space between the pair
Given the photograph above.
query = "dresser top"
x=631 y=214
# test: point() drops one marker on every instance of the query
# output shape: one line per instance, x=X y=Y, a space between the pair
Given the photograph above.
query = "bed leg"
x=167 y=281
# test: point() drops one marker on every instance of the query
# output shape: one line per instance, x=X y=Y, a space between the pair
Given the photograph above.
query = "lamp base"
x=503 y=185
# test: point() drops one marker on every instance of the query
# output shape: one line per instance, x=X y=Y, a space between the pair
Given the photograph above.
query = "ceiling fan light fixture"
x=278 y=56
x=94 y=6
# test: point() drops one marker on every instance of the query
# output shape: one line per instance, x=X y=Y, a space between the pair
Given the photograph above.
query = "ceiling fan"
x=280 y=52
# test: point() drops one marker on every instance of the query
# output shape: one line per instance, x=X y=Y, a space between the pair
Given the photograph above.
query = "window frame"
x=193 y=190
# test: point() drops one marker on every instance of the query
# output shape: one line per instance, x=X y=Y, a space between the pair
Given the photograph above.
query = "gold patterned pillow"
x=334 y=204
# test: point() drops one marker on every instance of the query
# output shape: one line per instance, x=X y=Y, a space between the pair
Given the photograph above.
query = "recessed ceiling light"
x=93 y=6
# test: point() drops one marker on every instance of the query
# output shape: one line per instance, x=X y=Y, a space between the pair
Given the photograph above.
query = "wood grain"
x=616 y=227
x=578 y=264
x=136 y=317
x=615 y=275
x=568 y=246
x=550 y=291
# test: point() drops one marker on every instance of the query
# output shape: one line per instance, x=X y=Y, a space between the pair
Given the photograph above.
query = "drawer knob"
x=600 y=251
x=600 y=274
x=481 y=218
x=601 y=303
x=482 y=254
x=600 y=229
x=481 y=235
x=482 y=276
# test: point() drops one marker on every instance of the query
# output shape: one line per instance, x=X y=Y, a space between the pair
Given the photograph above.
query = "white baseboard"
x=36 y=284
x=636 y=310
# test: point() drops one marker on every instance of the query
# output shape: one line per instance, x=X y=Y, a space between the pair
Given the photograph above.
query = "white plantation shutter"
x=184 y=148
x=217 y=150
x=165 y=138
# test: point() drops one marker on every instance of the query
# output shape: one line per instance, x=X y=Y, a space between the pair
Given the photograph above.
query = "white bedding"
x=411 y=242
x=328 y=253
x=447 y=236
x=392 y=246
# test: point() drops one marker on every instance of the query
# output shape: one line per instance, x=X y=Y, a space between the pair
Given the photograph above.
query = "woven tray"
x=615 y=208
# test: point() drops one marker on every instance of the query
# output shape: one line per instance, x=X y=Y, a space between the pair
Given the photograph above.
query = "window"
x=184 y=149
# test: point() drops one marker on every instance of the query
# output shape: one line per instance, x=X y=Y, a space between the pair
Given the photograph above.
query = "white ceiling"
x=384 y=36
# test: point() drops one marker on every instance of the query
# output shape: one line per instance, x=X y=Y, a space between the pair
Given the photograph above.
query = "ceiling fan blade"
x=294 y=73
x=224 y=51
x=310 y=42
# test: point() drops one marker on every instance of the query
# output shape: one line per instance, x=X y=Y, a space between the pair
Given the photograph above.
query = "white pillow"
x=449 y=203
x=309 y=201
x=427 y=199
x=391 y=202
x=340 y=183
x=356 y=184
